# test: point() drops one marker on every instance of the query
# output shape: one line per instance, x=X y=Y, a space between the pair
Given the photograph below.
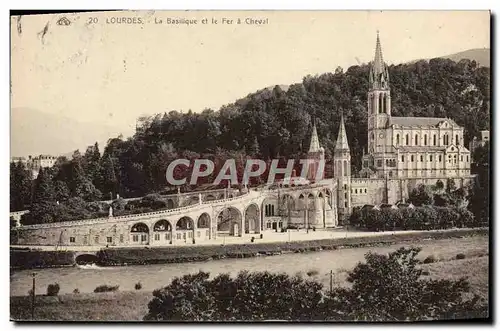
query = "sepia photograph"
x=250 y=166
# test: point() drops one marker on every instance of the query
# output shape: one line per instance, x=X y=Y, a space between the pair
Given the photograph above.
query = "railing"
x=322 y=184
x=100 y=220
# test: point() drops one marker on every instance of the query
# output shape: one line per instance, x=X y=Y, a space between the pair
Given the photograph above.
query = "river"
x=86 y=279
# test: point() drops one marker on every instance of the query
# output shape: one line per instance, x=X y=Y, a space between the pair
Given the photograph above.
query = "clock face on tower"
x=381 y=135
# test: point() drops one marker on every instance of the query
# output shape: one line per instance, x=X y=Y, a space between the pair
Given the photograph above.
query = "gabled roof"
x=420 y=121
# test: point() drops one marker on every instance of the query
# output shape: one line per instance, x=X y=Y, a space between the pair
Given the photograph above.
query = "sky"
x=110 y=73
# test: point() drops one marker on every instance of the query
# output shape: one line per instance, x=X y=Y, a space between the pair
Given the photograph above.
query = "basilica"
x=402 y=151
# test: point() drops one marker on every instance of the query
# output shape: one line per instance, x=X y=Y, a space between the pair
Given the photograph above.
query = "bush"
x=254 y=296
x=460 y=256
x=418 y=218
x=403 y=296
x=76 y=291
x=312 y=272
x=429 y=259
x=106 y=288
x=138 y=286
x=384 y=288
x=53 y=289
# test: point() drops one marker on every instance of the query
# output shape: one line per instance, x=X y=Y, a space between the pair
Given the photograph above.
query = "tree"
x=91 y=163
x=109 y=180
x=20 y=186
x=439 y=185
x=421 y=195
x=390 y=288
x=43 y=188
x=450 y=185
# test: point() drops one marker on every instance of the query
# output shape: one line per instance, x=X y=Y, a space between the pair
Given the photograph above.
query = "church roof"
x=379 y=75
x=419 y=121
x=341 y=143
x=378 y=61
x=421 y=149
x=314 y=147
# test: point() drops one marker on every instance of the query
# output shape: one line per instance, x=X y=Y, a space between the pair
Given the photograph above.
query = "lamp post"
x=33 y=298
x=306 y=212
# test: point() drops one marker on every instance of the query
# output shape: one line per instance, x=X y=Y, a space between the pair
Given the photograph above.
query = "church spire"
x=314 y=147
x=378 y=62
x=341 y=143
x=379 y=75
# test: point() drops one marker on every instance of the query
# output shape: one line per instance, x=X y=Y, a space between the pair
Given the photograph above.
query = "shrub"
x=418 y=218
x=138 y=286
x=312 y=272
x=53 y=289
x=429 y=259
x=106 y=288
x=248 y=296
x=425 y=273
x=403 y=296
x=460 y=256
x=384 y=287
x=76 y=291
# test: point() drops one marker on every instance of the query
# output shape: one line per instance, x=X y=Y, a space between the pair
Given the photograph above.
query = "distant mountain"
x=34 y=132
x=480 y=55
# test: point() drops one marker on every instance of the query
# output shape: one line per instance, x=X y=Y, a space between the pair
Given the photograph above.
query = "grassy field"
x=130 y=306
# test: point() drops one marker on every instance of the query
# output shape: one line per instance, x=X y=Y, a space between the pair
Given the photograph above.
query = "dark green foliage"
x=384 y=288
x=460 y=256
x=390 y=288
x=106 y=288
x=20 y=259
x=249 y=296
x=138 y=286
x=76 y=291
x=421 y=195
x=417 y=218
x=480 y=194
x=20 y=186
x=312 y=272
x=429 y=259
x=53 y=289
x=43 y=188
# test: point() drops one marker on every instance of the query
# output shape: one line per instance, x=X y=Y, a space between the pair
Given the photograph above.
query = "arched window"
x=345 y=168
x=380 y=104
x=397 y=139
x=416 y=140
x=457 y=142
x=407 y=139
x=446 y=140
x=425 y=140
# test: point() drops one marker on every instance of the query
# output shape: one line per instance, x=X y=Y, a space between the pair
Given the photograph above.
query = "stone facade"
x=409 y=147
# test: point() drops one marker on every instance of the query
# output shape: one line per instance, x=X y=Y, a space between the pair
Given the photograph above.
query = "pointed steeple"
x=341 y=143
x=378 y=62
x=314 y=146
x=379 y=75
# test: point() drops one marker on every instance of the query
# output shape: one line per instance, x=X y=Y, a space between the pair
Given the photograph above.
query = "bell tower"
x=342 y=171
x=379 y=101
